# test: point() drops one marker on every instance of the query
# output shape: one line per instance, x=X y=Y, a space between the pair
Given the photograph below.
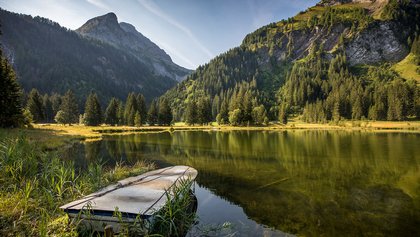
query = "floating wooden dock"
x=142 y=195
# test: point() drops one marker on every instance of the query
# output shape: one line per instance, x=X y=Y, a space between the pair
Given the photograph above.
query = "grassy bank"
x=35 y=182
x=92 y=133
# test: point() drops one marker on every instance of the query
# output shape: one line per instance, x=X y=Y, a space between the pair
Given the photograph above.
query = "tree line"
x=64 y=109
x=326 y=90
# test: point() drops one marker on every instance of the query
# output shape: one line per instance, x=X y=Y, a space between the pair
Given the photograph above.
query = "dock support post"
x=109 y=232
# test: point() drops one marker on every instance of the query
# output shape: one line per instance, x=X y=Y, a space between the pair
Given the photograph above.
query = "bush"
x=235 y=117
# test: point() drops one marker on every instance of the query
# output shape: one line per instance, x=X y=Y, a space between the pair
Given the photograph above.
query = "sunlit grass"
x=407 y=68
x=34 y=183
x=53 y=134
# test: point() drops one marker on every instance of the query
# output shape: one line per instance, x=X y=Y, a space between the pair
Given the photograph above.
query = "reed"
x=177 y=216
x=35 y=182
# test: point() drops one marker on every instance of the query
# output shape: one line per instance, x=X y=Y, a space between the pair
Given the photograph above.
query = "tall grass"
x=177 y=216
x=34 y=183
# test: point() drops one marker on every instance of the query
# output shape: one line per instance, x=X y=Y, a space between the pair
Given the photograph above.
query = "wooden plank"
x=143 y=194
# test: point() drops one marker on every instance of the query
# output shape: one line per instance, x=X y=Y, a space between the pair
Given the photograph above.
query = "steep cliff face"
x=124 y=36
x=366 y=40
x=381 y=42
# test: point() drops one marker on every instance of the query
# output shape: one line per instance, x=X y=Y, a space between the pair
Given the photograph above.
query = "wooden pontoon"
x=142 y=195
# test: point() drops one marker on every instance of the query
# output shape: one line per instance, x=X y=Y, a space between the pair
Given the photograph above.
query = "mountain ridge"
x=295 y=63
x=52 y=59
x=124 y=36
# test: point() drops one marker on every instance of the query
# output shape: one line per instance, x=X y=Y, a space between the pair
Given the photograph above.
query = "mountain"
x=340 y=59
x=52 y=58
x=125 y=37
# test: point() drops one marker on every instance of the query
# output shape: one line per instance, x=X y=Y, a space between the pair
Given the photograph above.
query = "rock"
x=378 y=43
x=125 y=36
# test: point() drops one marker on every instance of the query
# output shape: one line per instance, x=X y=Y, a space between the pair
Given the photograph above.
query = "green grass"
x=177 y=216
x=47 y=139
x=407 y=68
x=35 y=182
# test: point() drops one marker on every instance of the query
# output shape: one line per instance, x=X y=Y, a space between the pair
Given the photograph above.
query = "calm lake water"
x=311 y=183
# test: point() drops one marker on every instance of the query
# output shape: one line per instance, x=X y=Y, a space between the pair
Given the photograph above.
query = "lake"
x=276 y=183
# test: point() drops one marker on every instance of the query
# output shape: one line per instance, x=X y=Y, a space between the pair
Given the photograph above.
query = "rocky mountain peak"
x=128 y=27
x=106 y=22
x=124 y=36
x=109 y=17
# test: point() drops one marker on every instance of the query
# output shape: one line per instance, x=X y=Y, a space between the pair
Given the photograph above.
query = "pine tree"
x=191 y=113
x=165 y=112
x=69 y=109
x=203 y=110
x=56 y=103
x=397 y=101
x=336 y=112
x=137 y=119
x=130 y=109
x=283 y=114
x=215 y=107
x=141 y=106
x=120 y=114
x=235 y=117
x=357 y=109
x=48 y=109
x=247 y=107
x=93 y=112
x=35 y=106
x=11 y=113
x=259 y=115
x=223 y=116
x=60 y=117
x=111 y=112
x=152 y=114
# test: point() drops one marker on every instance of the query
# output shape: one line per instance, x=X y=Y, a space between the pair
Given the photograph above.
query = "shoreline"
x=92 y=133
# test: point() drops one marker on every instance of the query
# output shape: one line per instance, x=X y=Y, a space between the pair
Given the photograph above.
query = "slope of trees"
x=52 y=58
x=324 y=90
x=269 y=78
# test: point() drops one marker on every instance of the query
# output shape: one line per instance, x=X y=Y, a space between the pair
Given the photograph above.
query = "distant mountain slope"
x=125 y=37
x=319 y=56
x=51 y=58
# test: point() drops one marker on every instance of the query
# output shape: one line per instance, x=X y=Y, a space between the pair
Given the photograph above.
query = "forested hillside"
x=51 y=58
x=337 y=60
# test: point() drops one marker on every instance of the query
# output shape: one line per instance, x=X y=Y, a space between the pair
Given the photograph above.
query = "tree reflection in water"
x=303 y=182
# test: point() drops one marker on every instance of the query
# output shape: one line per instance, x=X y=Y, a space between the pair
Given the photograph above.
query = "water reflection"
x=302 y=182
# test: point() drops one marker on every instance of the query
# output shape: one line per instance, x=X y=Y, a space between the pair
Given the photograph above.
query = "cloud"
x=153 y=8
x=99 y=4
